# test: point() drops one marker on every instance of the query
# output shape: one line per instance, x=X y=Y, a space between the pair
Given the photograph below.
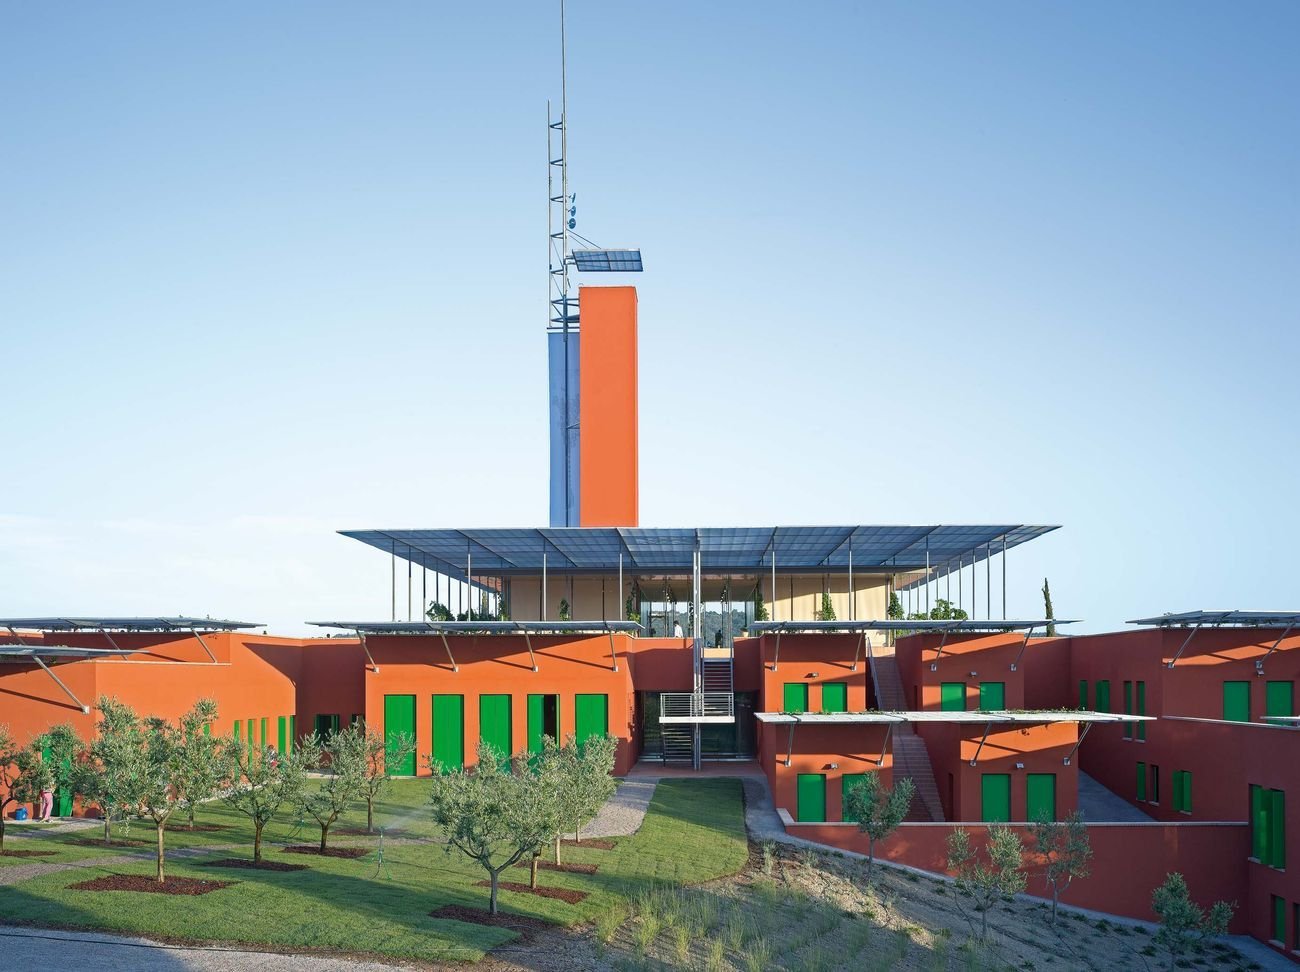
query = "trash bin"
x=20 y=813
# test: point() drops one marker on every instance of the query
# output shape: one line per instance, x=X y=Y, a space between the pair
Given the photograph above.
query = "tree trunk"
x=160 y=852
x=984 y=925
x=1056 y=895
x=191 y=816
x=108 y=834
x=370 y=815
x=324 y=832
x=257 y=842
x=532 y=876
x=2 y=829
x=558 y=838
x=492 y=906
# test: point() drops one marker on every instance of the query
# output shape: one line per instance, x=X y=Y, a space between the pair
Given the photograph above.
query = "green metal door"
x=796 y=697
x=494 y=722
x=591 y=716
x=543 y=720
x=1236 y=701
x=847 y=782
x=449 y=732
x=1279 y=699
x=835 y=697
x=995 y=798
x=251 y=729
x=1141 y=709
x=264 y=741
x=1040 y=796
x=993 y=696
x=1279 y=919
x=399 y=716
x=810 y=794
x=282 y=734
x=1103 y=695
x=952 y=696
x=293 y=733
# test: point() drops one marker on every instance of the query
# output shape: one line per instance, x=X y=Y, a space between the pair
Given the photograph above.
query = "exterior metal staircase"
x=911 y=758
x=678 y=742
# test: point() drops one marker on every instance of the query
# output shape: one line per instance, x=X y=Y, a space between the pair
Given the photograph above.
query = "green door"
x=835 y=697
x=399 y=716
x=293 y=733
x=796 y=697
x=494 y=722
x=952 y=697
x=1083 y=693
x=449 y=731
x=1040 y=796
x=251 y=729
x=282 y=734
x=1279 y=919
x=543 y=720
x=1141 y=791
x=847 y=782
x=995 y=798
x=1279 y=699
x=993 y=696
x=264 y=739
x=590 y=717
x=1141 y=709
x=1236 y=701
x=810 y=792
x=326 y=725
x=1103 y=695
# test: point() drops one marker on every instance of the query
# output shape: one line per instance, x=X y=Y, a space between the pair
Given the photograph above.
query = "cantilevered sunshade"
x=886 y=624
x=81 y=623
x=38 y=655
x=1286 y=621
x=441 y=629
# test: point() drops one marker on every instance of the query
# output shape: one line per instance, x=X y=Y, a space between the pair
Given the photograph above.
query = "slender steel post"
x=410 y=566
x=424 y=591
x=851 y=597
x=393 y=578
x=988 y=581
x=927 y=575
x=1004 y=578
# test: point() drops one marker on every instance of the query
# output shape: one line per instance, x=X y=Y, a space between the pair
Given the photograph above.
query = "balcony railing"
x=697 y=707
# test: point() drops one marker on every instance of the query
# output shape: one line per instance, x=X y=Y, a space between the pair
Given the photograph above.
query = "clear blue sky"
x=272 y=270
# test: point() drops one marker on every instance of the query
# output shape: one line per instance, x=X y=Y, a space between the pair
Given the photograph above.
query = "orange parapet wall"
x=607 y=415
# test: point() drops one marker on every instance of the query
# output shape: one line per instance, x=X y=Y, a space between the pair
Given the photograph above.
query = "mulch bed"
x=251 y=865
x=142 y=882
x=117 y=842
x=567 y=868
x=349 y=853
x=595 y=843
x=527 y=927
x=560 y=894
x=27 y=853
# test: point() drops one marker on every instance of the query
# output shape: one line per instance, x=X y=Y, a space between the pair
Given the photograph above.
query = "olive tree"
x=1182 y=922
x=23 y=774
x=583 y=772
x=345 y=754
x=1065 y=851
x=987 y=878
x=877 y=810
x=258 y=782
x=113 y=772
x=495 y=812
x=381 y=752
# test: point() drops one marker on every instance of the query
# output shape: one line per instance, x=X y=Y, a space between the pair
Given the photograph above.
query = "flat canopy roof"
x=725 y=550
x=19 y=653
x=935 y=715
x=833 y=627
x=479 y=627
x=125 y=624
x=1244 y=619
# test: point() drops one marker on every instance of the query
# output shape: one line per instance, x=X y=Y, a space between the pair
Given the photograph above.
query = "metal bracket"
x=975 y=759
x=1023 y=645
x=114 y=643
x=366 y=648
x=58 y=681
x=1259 y=663
x=529 y=642
x=862 y=635
x=1082 y=736
x=889 y=734
x=202 y=644
x=612 y=653
x=1180 y=651
x=443 y=636
x=934 y=665
x=776 y=657
x=789 y=748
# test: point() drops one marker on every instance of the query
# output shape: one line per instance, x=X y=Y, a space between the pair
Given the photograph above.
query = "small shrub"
x=759 y=956
x=682 y=943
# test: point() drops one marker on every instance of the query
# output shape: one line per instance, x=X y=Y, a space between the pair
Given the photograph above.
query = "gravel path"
x=622 y=814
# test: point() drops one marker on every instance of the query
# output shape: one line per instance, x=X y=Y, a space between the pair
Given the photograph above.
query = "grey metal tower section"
x=562 y=337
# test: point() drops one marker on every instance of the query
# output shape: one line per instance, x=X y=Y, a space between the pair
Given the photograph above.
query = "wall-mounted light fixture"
x=1020 y=765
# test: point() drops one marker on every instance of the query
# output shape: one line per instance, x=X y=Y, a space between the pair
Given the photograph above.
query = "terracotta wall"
x=814 y=660
x=1129 y=860
x=332 y=681
x=831 y=750
x=989 y=657
x=501 y=665
x=607 y=408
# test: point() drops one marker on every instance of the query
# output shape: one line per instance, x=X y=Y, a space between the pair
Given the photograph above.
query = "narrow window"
x=1155 y=783
x=1103 y=695
x=1128 y=709
x=1142 y=710
x=1083 y=693
x=1236 y=701
x=1141 y=782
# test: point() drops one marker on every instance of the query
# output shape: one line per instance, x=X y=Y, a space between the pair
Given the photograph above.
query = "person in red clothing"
x=47 y=805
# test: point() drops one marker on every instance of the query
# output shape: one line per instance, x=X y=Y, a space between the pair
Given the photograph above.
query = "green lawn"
x=694 y=831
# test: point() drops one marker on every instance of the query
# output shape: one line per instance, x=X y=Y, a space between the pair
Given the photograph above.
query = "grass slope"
x=693 y=832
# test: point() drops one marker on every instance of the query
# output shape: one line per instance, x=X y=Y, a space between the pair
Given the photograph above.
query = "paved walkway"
x=1099 y=804
x=42 y=948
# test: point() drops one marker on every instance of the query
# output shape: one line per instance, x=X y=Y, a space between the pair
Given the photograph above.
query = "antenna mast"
x=561 y=205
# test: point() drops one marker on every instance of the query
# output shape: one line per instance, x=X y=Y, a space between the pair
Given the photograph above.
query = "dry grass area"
x=813 y=910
